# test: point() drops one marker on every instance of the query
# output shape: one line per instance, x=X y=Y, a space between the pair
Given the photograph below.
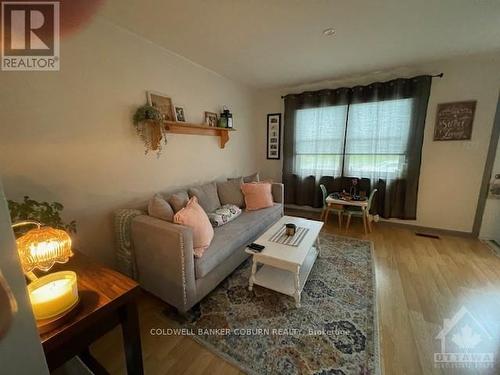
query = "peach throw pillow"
x=194 y=216
x=257 y=195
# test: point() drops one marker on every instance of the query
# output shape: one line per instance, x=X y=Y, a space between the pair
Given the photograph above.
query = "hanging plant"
x=148 y=123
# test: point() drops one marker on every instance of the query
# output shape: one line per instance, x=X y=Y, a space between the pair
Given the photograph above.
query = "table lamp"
x=54 y=295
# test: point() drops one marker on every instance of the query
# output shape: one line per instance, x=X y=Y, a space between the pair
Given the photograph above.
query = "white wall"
x=451 y=172
x=67 y=136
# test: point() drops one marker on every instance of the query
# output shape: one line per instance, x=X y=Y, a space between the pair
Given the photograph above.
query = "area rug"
x=333 y=332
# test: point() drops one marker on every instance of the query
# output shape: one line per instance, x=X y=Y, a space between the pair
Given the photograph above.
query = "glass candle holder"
x=53 y=295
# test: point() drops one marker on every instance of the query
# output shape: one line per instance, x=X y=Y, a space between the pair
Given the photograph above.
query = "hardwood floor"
x=420 y=282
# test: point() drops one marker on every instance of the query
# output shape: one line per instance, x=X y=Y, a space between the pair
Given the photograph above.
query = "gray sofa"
x=159 y=254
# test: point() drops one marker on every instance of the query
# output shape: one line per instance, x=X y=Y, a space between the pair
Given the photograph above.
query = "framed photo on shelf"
x=163 y=103
x=274 y=136
x=211 y=119
x=180 y=116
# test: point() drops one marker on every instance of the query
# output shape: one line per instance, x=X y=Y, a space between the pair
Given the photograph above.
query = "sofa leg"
x=188 y=316
x=180 y=316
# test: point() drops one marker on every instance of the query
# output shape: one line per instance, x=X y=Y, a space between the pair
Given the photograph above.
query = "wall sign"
x=274 y=136
x=454 y=121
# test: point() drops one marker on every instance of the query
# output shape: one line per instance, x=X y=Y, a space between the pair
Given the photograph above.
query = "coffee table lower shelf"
x=285 y=281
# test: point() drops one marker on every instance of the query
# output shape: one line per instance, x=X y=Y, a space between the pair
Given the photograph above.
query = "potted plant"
x=148 y=122
x=43 y=212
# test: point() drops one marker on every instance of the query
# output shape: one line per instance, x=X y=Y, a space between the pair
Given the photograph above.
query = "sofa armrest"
x=278 y=192
x=165 y=262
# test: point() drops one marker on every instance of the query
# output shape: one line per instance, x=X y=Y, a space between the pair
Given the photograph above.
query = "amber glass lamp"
x=53 y=295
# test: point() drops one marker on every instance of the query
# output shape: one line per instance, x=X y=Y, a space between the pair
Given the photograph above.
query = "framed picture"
x=454 y=121
x=211 y=119
x=163 y=103
x=179 y=114
x=274 y=136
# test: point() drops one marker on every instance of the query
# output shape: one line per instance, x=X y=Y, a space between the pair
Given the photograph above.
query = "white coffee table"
x=285 y=268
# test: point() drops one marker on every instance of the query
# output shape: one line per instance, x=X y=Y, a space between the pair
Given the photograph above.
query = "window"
x=363 y=140
x=319 y=141
x=377 y=139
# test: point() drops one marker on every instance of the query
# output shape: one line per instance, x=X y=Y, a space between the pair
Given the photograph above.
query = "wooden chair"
x=327 y=209
x=358 y=212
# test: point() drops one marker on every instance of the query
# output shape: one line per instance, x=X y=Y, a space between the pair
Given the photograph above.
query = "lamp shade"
x=42 y=247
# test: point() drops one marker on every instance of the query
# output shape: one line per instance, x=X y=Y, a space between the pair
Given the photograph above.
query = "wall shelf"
x=198 y=129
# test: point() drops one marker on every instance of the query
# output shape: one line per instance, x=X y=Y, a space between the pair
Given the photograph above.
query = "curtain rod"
x=440 y=75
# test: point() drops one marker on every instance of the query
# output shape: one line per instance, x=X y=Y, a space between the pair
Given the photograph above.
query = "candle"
x=53 y=294
x=290 y=229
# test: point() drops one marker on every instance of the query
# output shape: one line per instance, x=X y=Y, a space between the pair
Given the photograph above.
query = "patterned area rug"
x=334 y=332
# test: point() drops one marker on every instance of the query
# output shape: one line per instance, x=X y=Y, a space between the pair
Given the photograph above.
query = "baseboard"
x=302 y=208
x=436 y=231
x=493 y=245
x=409 y=226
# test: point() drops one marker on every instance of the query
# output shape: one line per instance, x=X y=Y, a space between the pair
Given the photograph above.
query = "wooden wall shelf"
x=199 y=129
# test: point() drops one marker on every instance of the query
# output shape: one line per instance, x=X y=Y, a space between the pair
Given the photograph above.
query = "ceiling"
x=279 y=43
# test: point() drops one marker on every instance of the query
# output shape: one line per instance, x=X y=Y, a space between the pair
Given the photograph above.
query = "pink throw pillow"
x=194 y=216
x=257 y=195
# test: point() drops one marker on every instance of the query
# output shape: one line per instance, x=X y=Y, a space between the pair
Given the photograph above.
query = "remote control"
x=256 y=247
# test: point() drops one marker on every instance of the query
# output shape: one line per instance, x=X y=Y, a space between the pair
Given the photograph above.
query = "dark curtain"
x=396 y=197
x=304 y=190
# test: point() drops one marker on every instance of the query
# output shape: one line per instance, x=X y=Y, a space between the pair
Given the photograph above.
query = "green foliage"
x=43 y=212
x=146 y=112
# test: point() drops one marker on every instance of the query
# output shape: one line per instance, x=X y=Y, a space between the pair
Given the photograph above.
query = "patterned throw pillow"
x=224 y=215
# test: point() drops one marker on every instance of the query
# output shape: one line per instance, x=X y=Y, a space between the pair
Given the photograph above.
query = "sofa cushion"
x=159 y=208
x=178 y=200
x=251 y=178
x=234 y=236
x=230 y=192
x=207 y=196
x=257 y=195
x=224 y=215
x=194 y=217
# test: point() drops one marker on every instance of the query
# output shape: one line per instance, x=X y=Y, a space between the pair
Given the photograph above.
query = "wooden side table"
x=107 y=298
